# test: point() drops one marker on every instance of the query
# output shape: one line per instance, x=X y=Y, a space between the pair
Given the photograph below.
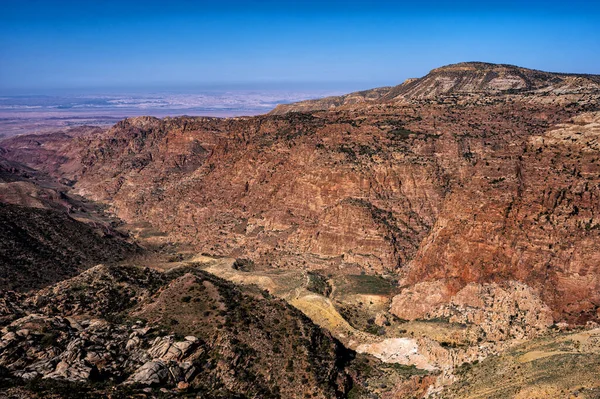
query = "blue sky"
x=335 y=44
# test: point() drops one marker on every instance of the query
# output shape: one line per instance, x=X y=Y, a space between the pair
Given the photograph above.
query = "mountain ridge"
x=359 y=189
x=444 y=81
x=432 y=229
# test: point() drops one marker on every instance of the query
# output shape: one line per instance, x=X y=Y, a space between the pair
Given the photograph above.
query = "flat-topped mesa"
x=462 y=79
x=476 y=77
x=481 y=78
x=474 y=66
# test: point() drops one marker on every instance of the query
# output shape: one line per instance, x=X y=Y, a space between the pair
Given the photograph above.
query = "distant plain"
x=23 y=113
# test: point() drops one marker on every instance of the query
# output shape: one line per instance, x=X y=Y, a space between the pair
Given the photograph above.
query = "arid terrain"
x=440 y=238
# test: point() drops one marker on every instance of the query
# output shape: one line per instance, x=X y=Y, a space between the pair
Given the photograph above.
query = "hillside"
x=468 y=78
x=556 y=366
x=410 y=190
x=186 y=332
x=39 y=247
x=435 y=223
x=46 y=234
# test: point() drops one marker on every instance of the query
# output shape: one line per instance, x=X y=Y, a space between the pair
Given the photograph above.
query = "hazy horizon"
x=66 y=62
x=190 y=88
x=21 y=114
x=344 y=45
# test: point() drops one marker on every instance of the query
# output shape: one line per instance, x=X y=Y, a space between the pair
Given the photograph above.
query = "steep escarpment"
x=487 y=184
x=282 y=191
x=532 y=219
x=328 y=190
x=426 y=226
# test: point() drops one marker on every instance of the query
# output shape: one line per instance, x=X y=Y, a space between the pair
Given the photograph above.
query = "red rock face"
x=283 y=191
x=533 y=218
x=471 y=188
x=56 y=154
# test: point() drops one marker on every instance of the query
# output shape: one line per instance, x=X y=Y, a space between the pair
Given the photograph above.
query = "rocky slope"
x=380 y=203
x=472 y=79
x=555 y=366
x=125 y=330
x=430 y=224
x=330 y=103
x=533 y=222
x=46 y=234
x=39 y=247
x=183 y=331
x=487 y=185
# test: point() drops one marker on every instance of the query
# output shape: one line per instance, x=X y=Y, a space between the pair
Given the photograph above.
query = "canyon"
x=411 y=231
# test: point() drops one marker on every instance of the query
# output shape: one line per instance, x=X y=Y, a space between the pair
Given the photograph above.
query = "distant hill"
x=456 y=79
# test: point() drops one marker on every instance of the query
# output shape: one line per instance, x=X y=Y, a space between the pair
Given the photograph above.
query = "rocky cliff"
x=492 y=179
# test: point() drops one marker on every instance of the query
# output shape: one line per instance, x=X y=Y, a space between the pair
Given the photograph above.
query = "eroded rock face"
x=474 y=177
x=56 y=154
x=423 y=353
x=420 y=300
x=277 y=205
x=159 y=372
x=471 y=78
x=533 y=221
x=492 y=312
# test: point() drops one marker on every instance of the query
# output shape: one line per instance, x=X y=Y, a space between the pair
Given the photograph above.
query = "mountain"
x=68 y=323
x=429 y=225
x=72 y=329
x=468 y=78
x=457 y=192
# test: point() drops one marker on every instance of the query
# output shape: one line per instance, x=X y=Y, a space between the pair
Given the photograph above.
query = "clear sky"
x=48 y=44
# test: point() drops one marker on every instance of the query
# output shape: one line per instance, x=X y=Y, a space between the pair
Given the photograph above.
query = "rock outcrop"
x=491 y=312
x=134 y=328
x=533 y=221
